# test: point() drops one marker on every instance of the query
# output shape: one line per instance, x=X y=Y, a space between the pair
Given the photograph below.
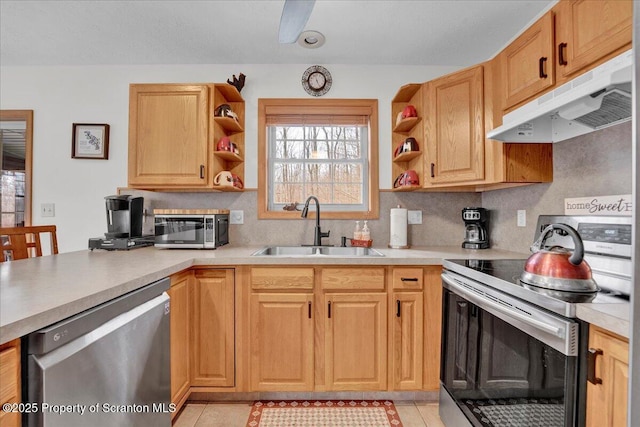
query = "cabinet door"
x=10 y=382
x=179 y=296
x=528 y=62
x=407 y=340
x=589 y=30
x=356 y=341
x=607 y=401
x=432 y=327
x=282 y=342
x=168 y=143
x=456 y=128
x=213 y=338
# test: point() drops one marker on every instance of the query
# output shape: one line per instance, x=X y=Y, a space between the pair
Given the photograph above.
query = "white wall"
x=61 y=96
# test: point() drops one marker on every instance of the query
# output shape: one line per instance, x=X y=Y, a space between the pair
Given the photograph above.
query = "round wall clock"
x=316 y=80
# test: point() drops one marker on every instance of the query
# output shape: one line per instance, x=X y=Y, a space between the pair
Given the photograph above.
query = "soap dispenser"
x=357 y=233
x=366 y=234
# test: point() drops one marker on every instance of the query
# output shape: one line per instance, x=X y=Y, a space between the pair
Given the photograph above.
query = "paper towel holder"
x=398 y=242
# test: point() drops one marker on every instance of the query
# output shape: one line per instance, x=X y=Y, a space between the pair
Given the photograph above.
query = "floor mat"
x=324 y=413
x=517 y=412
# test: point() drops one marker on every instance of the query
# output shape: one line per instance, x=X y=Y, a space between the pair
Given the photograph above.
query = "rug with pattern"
x=324 y=413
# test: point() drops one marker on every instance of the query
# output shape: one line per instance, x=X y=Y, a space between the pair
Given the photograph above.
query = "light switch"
x=48 y=209
x=522 y=218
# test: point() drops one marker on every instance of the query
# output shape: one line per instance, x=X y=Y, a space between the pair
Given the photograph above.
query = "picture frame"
x=90 y=141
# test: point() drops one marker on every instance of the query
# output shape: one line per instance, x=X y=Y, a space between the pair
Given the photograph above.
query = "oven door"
x=504 y=361
x=179 y=231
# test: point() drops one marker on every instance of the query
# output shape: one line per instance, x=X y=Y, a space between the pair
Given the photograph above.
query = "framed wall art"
x=90 y=141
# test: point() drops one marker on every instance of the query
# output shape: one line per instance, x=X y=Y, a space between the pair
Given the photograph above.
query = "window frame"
x=295 y=106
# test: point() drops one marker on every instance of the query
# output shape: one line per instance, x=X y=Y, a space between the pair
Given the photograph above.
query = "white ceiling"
x=89 y=32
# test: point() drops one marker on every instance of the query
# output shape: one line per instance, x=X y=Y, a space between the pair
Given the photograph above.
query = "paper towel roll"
x=398 y=234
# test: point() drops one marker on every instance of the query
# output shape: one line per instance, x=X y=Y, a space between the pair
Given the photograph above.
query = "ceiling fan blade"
x=295 y=15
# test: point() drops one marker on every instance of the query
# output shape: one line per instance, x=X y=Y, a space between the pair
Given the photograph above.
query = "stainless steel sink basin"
x=290 y=251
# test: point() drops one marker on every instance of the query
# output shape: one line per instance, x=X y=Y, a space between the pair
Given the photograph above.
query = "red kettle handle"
x=578 y=251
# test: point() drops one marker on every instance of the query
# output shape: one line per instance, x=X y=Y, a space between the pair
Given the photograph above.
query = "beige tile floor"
x=236 y=415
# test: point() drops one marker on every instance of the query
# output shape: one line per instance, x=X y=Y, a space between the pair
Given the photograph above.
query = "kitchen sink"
x=317 y=251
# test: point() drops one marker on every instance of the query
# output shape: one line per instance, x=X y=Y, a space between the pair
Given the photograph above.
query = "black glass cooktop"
x=504 y=274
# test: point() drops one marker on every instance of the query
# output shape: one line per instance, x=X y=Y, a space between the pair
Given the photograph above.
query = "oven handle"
x=482 y=303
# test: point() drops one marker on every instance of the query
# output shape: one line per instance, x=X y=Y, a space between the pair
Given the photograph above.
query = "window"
x=321 y=147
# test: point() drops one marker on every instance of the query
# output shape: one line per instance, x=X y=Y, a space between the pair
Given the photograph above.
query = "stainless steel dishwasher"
x=107 y=366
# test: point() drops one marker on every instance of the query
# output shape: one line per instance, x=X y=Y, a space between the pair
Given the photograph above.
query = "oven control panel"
x=604 y=235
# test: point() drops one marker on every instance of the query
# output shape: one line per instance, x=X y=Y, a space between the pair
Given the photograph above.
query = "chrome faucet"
x=318 y=234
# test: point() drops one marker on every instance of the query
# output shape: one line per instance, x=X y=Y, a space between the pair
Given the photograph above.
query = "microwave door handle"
x=487 y=303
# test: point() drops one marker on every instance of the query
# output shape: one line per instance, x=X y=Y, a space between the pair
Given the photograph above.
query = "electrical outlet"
x=414 y=217
x=236 y=217
x=48 y=209
x=522 y=218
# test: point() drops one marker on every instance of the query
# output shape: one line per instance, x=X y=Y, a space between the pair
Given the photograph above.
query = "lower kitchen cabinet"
x=343 y=328
x=282 y=328
x=10 y=382
x=406 y=329
x=432 y=327
x=607 y=388
x=406 y=319
x=355 y=341
x=180 y=307
x=213 y=326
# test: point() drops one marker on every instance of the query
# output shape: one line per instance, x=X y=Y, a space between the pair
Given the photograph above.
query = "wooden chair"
x=22 y=242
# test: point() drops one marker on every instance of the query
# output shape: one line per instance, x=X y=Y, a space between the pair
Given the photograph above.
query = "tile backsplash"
x=591 y=165
x=441 y=218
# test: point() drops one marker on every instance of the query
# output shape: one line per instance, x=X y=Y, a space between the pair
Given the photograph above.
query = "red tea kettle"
x=558 y=268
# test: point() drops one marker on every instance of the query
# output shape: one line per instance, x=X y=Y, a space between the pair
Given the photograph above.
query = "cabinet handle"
x=433 y=168
x=309 y=309
x=591 y=365
x=398 y=305
x=329 y=310
x=541 y=63
x=201 y=171
x=562 y=47
x=409 y=279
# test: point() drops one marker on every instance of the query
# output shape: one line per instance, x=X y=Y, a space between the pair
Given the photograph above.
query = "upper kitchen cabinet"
x=408 y=139
x=572 y=38
x=455 y=128
x=528 y=62
x=455 y=111
x=589 y=32
x=174 y=135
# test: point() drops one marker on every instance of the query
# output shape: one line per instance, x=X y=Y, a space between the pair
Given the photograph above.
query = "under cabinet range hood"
x=595 y=100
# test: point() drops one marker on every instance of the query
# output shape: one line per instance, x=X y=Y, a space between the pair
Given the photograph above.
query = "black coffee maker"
x=476 y=233
x=124 y=216
x=124 y=224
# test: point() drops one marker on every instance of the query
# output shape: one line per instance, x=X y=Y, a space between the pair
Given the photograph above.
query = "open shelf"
x=406 y=156
x=404 y=188
x=406 y=125
x=229 y=156
x=228 y=124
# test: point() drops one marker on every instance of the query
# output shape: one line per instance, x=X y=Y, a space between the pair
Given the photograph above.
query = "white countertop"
x=37 y=292
x=613 y=317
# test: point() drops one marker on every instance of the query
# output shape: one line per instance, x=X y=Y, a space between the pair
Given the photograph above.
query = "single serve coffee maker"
x=125 y=214
x=476 y=233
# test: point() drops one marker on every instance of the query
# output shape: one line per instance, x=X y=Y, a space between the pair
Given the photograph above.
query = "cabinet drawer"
x=353 y=279
x=407 y=278
x=282 y=278
x=8 y=375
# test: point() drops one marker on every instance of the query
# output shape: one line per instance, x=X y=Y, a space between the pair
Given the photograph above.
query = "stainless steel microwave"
x=191 y=230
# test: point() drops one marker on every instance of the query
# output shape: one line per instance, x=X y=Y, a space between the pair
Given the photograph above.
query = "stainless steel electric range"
x=515 y=354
